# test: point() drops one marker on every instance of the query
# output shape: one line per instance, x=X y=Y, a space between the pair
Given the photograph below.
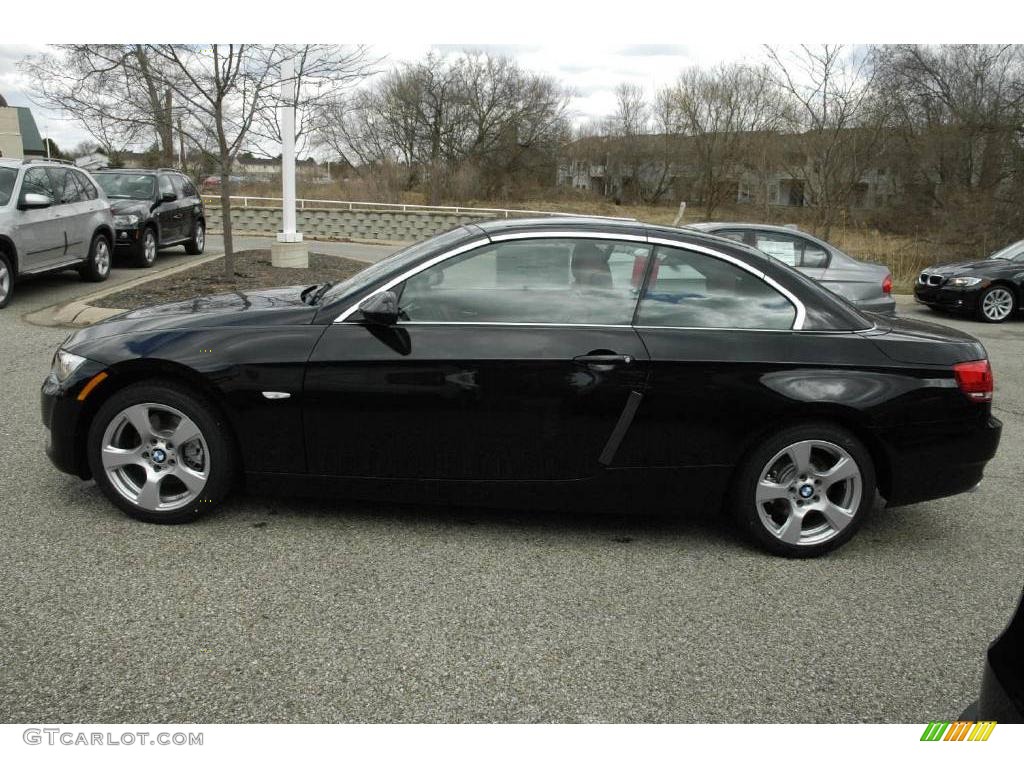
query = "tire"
x=997 y=304
x=96 y=267
x=765 y=513
x=144 y=252
x=140 y=482
x=6 y=280
x=197 y=243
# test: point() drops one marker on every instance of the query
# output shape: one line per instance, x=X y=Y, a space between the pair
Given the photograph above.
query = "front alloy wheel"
x=161 y=452
x=996 y=304
x=155 y=457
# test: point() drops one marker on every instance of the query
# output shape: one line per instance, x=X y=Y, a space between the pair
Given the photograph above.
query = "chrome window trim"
x=798 y=323
x=801 y=311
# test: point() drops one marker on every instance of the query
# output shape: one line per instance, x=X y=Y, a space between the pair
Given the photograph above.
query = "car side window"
x=570 y=281
x=64 y=186
x=166 y=187
x=187 y=187
x=792 y=249
x=739 y=235
x=38 y=182
x=693 y=290
x=88 y=188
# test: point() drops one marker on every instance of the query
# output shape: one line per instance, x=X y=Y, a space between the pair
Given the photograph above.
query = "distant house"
x=19 y=136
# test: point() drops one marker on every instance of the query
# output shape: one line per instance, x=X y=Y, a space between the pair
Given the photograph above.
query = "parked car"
x=868 y=286
x=1002 y=679
x=990 y=289
x=153 y=210
x=52 y=217
x=572 y=361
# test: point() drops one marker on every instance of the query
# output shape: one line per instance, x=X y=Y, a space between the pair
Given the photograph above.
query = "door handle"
x=177 y=215
x=606 y=359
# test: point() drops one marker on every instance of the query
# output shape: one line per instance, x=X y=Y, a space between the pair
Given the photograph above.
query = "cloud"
x=653 y=49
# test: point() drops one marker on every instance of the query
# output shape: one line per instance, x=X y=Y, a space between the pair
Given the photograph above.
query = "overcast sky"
x=591 y=70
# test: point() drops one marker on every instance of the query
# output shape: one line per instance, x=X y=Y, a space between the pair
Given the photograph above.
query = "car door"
x=168 y=211
x=714 y=329
x=74 y=211
x=514 y=361
x=40 y=232
x=186 y=215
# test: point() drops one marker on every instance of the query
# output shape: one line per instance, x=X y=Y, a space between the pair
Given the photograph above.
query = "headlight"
x=65 y=363
x=127 y=220
x=964 y=282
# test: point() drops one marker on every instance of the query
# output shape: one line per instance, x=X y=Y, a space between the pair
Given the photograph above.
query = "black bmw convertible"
x=569 y=362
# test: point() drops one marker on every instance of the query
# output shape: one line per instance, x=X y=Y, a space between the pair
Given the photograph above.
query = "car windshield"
x=394 y=263
x=1012 y=252
x=128 y=186
x=7 y=178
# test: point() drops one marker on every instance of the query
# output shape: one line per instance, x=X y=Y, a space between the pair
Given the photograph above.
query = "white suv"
x=52 y=216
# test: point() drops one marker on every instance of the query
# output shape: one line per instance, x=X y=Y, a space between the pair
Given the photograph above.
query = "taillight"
x=887 y=285
x=975 y=379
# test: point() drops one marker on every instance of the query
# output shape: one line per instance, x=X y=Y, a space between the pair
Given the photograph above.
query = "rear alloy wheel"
x=996 y=304
x=96 y=267
x=195 y=245
x=805 y=491
x=6 y=281
x=160 y=454
x=145 y=254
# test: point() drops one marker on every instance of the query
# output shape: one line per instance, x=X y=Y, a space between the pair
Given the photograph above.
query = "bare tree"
x=223 y=88
x=721 y=111
x=957 y=112
x=470 y=116
x=836 y=125
x=114 y=91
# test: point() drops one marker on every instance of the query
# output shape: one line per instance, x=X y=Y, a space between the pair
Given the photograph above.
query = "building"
x=656 y=167
x=19 y=136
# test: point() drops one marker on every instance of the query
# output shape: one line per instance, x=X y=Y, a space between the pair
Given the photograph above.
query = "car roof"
x=710 y=225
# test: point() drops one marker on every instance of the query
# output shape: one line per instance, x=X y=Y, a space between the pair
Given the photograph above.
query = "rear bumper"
x=886 y=305
x=940 y=459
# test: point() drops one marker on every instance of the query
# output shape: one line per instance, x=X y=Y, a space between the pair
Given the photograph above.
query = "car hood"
x=269 y=307
x=121 y=207
x=920 y=342
x=981 y=268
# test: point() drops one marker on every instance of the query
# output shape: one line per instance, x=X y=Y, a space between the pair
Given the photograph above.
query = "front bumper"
x=127 y=238
x=67 y=418
x=950 y=299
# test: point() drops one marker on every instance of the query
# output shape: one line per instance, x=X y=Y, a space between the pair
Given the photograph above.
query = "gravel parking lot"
x=277 y=610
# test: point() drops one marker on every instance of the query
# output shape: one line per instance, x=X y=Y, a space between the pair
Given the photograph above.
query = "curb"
x=79 y=313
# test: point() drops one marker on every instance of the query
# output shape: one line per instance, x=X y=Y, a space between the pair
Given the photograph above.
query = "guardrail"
x=354 y=205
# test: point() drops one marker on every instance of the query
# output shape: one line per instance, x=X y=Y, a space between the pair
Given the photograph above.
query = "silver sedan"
x=868 y=286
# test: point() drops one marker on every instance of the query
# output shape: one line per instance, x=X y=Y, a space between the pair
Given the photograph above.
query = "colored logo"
x=959 y=730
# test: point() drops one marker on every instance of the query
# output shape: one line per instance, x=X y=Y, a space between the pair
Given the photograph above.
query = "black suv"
x=152 y=210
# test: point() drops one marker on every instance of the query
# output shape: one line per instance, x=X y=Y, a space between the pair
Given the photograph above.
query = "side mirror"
x=33 y=200
x=168 y=197
x=381 y=308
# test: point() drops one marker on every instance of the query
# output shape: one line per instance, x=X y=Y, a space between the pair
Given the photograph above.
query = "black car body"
x=990 y=289
x=1002 y=678
x=605 y=364
x=154 y=209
